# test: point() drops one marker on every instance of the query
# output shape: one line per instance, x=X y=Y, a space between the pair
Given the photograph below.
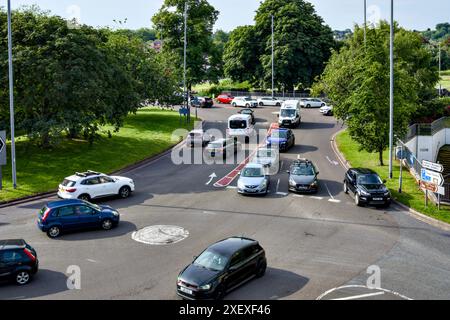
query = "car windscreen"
x=68 y=183
x=303 y=171
x=279 y=134
x=286 y=113
x=252 y=173
x=211 y=260
x=238 y=124
x=247 y=99
x=369 y=179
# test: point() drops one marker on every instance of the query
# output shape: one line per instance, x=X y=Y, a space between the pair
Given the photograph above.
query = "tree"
x=241 y=62
x=219 y=40
x=201 y=19
x=303 y=42
x=357 y=81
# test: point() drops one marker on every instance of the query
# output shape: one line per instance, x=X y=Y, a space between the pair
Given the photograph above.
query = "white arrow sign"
x=211 y=178
x=432 y=166
x=432 y=177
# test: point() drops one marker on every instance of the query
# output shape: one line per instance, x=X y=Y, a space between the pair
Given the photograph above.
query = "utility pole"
x=391 y=108
x=273 y=58
x=11 y=99
x=186 y=96
x=440 y=82
x=365 y=21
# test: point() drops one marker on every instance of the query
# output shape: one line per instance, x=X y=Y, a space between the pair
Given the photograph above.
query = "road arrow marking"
x=335 y=163
x=211 y=178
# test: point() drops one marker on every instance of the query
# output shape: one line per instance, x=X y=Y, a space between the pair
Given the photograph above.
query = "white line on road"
x=278 y=186
x=335 y=163
x=91 y=260
x=282 y=194
x=334 y=200
x=317 y=198
x=232 y=187
x=362 y=296
x=299 y=196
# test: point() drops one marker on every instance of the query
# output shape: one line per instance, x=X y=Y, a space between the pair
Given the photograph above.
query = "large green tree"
x=169 y=22
x=303 y=44
x=357 y=81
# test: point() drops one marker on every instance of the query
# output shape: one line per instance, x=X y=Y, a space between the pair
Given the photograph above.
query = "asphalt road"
x=313 y=243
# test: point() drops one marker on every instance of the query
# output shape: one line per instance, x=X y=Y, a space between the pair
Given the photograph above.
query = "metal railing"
x=427 y=129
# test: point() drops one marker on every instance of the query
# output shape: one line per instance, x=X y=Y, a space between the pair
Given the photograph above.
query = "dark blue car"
x=282 y=139
x=67 y=215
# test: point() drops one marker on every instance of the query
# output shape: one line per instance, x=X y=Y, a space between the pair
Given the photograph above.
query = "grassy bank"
x=411 y=196
x=145 y=134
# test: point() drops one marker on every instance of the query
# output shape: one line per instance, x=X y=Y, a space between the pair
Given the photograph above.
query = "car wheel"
x=220 y=292
x=53 y=232
x=345 y=188
x=323 y=104
x=124 y=192
x=234 y=105
x=308 y=106
x=107 y=224
x=261 y=104
x=247 y=105
x=357 y=200
x=261 y=271
x=22 y=278
x=85 y=197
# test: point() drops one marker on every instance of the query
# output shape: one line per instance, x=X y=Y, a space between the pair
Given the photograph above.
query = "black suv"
x=221 y=268
x=18 y=261
x=367 y=187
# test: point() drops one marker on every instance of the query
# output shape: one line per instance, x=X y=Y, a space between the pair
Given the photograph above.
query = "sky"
x=338 y=14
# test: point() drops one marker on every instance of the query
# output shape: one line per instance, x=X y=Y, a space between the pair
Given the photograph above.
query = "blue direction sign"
x=429 y=176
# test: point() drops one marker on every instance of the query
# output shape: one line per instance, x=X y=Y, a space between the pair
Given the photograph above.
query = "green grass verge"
x=145 y=134
x=411 y=196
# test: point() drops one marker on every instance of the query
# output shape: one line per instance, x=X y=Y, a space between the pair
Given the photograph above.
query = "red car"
x=225 y=98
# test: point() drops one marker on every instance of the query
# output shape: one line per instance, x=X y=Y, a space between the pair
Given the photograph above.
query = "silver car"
x=269 y=158
x=223 y=148
x=198 y=138
x=254 y=180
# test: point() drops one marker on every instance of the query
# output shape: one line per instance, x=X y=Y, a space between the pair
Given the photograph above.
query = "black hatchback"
x=18 y=261
x=367 y=187
x=221 y=268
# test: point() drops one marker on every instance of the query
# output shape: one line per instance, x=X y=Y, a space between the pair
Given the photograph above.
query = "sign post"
x=431 y=179
x=3 y=159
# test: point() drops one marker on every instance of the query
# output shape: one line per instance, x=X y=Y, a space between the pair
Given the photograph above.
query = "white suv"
x=90 y=185
x=245 y=102
x=312 y=103
x=267 y=101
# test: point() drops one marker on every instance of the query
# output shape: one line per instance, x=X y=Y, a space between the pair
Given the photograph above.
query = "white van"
x=290 y=114
x=240 y=125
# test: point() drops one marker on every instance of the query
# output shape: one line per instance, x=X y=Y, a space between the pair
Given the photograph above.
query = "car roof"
x=239 y=117
x=363 y=171
x=254 y=165
x=12 y=244
x=83 y=175
x=231 y=245
x=62 y=203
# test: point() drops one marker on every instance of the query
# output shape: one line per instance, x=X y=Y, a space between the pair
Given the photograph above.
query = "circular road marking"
x=160 y=235
x=358 y=292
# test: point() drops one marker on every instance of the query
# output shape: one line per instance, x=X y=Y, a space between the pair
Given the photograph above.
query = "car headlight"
x=364 y=193
x=292 y=182
x=205 y=287
x=132 y=182
x=387 y=194
x=314 y=184
x=241 y=185
x=264 y=184
x=115 y=213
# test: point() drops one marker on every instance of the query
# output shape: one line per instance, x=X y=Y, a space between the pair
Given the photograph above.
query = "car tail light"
x=46 y=214
x=71 y=190
x=29 y=254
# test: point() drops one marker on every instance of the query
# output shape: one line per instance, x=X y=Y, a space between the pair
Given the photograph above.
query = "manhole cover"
x=160 y=235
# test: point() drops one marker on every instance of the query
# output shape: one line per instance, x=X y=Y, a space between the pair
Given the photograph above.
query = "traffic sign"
x=3 y=148
x=429 y=186
x=432 y=177
x=432 y=166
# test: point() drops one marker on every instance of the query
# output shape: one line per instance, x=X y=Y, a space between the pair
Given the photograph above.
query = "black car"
x=367 y=187
x=303 y=177
x=18 y=261
x=222 y=267
x=250 y=112
x=202 y=102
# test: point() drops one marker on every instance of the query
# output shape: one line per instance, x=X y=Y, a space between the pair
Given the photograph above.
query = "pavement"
x=314 y=244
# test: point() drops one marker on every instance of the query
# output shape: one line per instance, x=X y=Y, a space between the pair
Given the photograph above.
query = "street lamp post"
x=186 y=97
x=365 y=21
x=440 y=70
x=11 y=98
x=273 y=58
x=391 y=107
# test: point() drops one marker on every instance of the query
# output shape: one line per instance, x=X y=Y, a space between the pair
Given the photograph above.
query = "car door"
x=67 y=218
x=8 y=262
x=236 y=272
x=87 y=216
x=351 y=180
x=93 y=187
x=109 y=186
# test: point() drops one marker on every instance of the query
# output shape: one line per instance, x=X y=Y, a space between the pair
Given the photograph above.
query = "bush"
x=224 y=86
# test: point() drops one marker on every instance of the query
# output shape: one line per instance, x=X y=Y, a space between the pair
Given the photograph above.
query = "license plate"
x=378 y=199
x=185 y=290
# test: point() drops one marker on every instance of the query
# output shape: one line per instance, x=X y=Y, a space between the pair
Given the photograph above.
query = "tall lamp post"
x=391 y=108
x=186 y=96
x=11 y=99
x=273 y=58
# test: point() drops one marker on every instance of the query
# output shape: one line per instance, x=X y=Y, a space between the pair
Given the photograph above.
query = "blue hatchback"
x=284 y=139
x=67 y=215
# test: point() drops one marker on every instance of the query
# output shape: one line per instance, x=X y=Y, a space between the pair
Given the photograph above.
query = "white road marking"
x=160 y=235
x=232 y=187
x=299 y=196
x=282 y=194
x=91 y=260
x=278 y=186
x=334 y=200
x=209 y=212
x=211 y=178
x=317 y=198
x=362 y=296
x=363 y=287
x=335 y=163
